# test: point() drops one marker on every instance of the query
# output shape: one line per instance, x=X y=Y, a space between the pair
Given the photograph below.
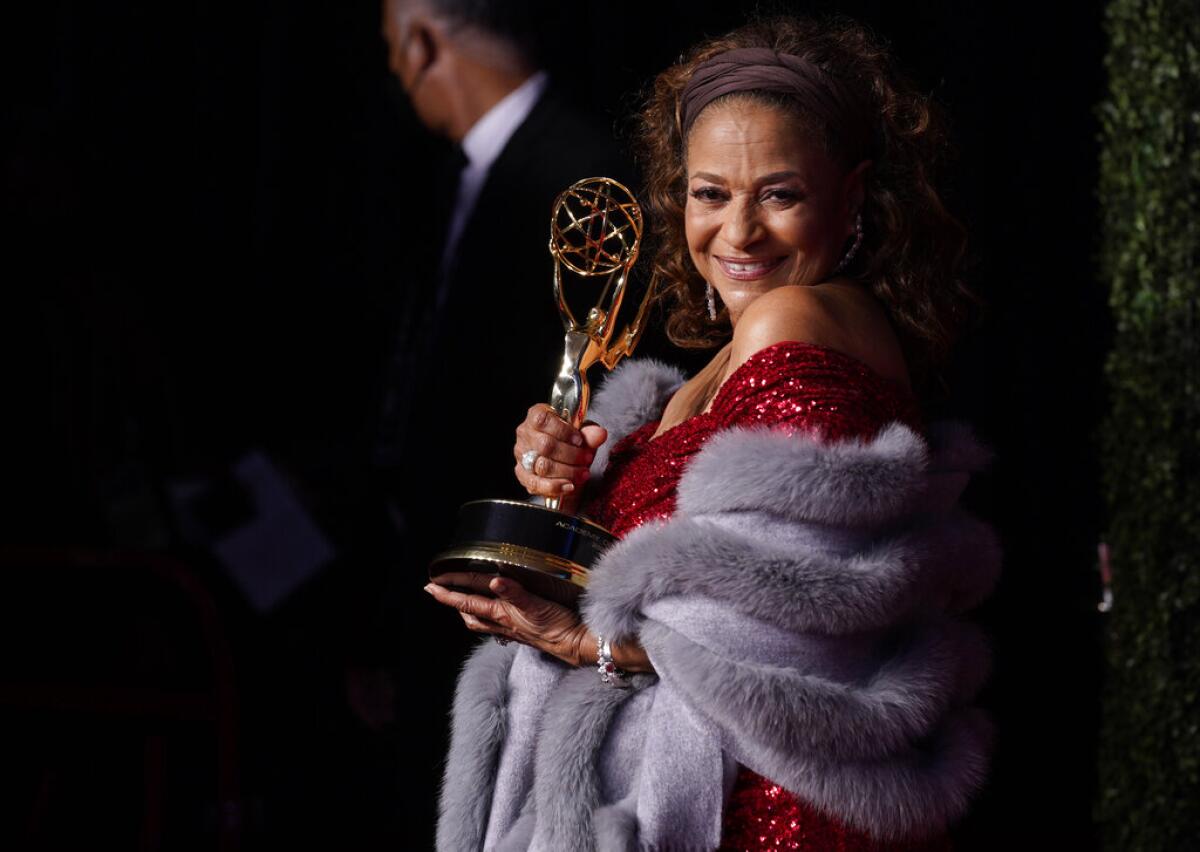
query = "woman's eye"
x=784 y=195
x=707 y=193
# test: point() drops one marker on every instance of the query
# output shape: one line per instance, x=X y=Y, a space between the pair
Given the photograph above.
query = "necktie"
x=462 y=199
x=424 y=300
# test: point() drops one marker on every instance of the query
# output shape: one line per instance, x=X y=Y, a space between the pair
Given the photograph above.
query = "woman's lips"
x=748 y=270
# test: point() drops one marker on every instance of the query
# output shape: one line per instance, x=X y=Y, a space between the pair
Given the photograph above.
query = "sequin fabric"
x=792 y=386
x=761 y=815
x=789 y=385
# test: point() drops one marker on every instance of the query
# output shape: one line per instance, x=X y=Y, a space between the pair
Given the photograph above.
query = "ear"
x=421 y=47
x=854 y=188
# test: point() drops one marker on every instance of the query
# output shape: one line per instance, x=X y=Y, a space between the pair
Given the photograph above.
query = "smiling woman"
x=766 y=205
x=784 y=605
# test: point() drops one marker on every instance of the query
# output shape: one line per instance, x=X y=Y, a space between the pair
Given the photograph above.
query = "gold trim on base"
x=525 y=557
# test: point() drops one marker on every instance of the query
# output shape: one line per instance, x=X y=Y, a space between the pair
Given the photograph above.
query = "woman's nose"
x=742 y=226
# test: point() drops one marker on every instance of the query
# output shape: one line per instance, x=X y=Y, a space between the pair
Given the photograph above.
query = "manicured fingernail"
x=568 y=487
x=577 y=439
x=429 y=588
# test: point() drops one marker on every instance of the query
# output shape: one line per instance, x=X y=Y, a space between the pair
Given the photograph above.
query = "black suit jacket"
x=494 y=353
x=497 y=345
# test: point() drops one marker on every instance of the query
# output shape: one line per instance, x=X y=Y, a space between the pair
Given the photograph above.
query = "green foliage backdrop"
x=1149 y=792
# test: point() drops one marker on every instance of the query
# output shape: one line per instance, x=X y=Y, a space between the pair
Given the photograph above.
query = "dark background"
x=208 y=210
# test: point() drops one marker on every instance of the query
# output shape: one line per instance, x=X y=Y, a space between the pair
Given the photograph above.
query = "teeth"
x=747 y=267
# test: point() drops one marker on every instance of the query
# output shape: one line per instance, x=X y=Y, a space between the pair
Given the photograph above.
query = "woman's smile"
x=766 y=206
x=748 y=269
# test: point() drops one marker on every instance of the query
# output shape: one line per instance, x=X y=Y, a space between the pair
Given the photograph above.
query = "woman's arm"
x=627 y=654
x=515 y=613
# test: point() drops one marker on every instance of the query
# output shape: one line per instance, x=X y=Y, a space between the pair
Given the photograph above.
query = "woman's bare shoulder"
x=785 y=313
x=838 y=316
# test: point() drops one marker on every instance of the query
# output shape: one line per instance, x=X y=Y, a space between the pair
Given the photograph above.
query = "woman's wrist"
x=627 y=654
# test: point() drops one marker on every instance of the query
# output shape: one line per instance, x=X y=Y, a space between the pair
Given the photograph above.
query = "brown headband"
x=762 y=69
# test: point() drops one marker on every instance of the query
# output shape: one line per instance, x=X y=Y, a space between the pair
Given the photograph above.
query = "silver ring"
x=529 y=459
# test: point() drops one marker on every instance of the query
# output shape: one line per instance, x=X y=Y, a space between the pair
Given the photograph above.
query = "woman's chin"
x=742 y=293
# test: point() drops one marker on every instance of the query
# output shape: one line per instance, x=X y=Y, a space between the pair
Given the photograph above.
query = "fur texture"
x=862 y=484
x=632 y=394
x=476 y=732
x=805 y=613
x=951 y=565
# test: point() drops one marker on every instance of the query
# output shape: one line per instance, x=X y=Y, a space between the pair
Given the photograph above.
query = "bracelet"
x=609 y=673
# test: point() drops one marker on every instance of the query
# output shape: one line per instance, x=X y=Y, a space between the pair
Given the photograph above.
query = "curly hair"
x=913 y=249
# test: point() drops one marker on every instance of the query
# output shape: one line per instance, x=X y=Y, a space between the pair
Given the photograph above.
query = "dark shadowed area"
x=210 y=211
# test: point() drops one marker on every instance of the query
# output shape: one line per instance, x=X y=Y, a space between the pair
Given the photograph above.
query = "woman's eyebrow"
x=775 y=177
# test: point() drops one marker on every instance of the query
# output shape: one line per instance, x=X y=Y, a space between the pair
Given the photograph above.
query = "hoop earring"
x=712 y=302
x=858 y=235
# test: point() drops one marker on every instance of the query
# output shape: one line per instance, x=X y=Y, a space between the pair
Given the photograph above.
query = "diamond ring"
x=529 y=459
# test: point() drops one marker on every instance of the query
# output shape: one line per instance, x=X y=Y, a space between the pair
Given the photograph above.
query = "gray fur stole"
x=803 y=610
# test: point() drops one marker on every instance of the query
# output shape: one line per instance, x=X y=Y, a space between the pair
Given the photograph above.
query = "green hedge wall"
x=1149 y=761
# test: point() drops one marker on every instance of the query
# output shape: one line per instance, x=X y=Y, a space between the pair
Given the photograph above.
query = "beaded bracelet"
x=609 y=673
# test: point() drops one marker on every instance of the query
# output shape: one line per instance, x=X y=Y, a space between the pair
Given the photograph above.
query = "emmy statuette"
x=595 y=230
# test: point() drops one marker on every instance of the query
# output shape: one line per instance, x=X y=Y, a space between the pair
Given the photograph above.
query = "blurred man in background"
x=480 y=298
x=480 y=337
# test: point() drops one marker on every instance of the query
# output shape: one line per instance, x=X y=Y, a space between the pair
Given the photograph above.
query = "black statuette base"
x=549 y=553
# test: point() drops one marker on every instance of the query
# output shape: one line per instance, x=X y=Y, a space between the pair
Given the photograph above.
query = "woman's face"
x=766 y=206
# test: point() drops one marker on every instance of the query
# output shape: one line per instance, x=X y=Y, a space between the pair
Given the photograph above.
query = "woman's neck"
x=697 y=393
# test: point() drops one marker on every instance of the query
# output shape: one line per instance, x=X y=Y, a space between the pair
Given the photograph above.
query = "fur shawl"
x=803 y=610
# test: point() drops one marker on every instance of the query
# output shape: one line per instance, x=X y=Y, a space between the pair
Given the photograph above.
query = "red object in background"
x=124 y=650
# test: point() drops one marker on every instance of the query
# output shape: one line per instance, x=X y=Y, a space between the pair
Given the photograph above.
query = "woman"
x=783 y=606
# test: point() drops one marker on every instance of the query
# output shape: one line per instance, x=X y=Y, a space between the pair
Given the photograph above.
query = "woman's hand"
x=515 y=614
x=564 y=452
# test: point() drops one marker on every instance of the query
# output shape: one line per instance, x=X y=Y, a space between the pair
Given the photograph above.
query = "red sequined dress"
x=792 y=385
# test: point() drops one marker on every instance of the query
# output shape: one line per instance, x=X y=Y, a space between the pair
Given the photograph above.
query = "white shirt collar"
x=487 y=137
